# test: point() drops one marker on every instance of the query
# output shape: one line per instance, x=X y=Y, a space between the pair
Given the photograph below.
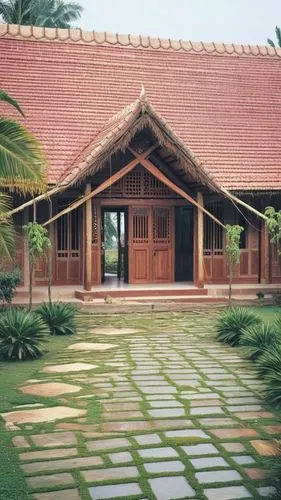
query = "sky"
x=237 y=21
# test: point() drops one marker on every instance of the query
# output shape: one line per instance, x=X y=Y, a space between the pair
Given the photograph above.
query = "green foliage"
x=38 y=240
x=111 y=261
x=273 y=388
x=22 y=334
x=9 y=280
x=270 y=360
x=59 y=317
x=274 y=225
x=50 y=13
x=232 y=248
x=233 y=322
x=278 y=38
x=259 y=337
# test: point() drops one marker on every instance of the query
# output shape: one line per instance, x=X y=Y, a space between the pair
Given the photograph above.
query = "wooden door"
x=162 y=244
x=151 y=244
x=68 y=248
x=139 y=245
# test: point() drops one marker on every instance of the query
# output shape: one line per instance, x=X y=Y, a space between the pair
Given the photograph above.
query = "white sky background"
x=238 y=21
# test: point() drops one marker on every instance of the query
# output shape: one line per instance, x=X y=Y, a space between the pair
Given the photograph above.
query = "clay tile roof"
x=221 y=101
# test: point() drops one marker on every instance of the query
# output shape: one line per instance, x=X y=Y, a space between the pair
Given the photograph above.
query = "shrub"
x=273 y=388
x=59 y=317
x=22 y=334
x=9 y=280
x=269 y=361
x=257 y=338
x=232 y=323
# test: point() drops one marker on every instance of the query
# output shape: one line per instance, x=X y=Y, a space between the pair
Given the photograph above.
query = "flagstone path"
x=162 y=412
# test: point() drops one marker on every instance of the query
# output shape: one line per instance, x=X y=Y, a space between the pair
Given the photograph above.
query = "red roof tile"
x=222 y=101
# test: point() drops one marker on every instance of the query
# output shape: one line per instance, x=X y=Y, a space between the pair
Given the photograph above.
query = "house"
x=152 y=130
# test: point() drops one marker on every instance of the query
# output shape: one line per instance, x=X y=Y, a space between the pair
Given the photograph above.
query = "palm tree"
x=278 y=37
x=21 y=170
x=49 y=13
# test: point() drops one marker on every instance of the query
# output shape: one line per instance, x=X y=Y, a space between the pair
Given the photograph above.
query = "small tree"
x=274 y=226
x=39 y=245
x=233 y=234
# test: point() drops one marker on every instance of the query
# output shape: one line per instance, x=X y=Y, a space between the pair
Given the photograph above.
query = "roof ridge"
x=134 y=41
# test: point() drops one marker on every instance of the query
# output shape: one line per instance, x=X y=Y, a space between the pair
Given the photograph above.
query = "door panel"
x=139 y=245
x=184 y=244
x=162 y=244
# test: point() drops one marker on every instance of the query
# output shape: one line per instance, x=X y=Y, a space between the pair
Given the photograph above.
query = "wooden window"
x=213 y=232
x=140 y=225
x=68 y=234
x=161 y=225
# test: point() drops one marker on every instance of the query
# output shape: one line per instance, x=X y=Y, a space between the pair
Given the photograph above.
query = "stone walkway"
x=156 y=411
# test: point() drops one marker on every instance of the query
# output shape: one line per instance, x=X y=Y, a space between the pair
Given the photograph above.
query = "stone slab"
x=171 y=488
x=165 y=452
x=54 y=439
x=121 y=457
x=90 y=346
x=46 y=454
x=50 y=480
x=266 y=448
x=147 y=439
x=221 y=476
x=192 y=433
x=20 y=442
x=50 y=389
x=110 y=474
x=208 y=463
x=200 y=449
x=164 y=467
x=233 y=433
x=42 y=415
x=229 y=493
x=108 y=444
x=68 y=368
x=114 y=490
x=69 y=463
x=114 y=331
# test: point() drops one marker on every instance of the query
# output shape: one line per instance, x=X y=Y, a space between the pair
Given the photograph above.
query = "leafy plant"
x=38 y=245
x=273 y=388
x=232 y=251
x=233 y=322
x=59 y=317
x=269 y=361
x=50 y=13
x=21 y=169
x=9 y=280
x=22 y=334
x=259 y=337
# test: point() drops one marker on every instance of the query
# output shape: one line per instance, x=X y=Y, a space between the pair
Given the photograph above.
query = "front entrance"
x=114 y=247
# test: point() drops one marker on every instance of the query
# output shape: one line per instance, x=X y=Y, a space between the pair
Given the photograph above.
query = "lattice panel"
x=161 y=225
x=138 y=184
x=95 y=234
x=140 y=225
x=133 y=183
x=154 y=187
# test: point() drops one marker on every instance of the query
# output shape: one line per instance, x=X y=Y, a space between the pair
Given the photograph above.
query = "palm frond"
x=7 y=231
x=278 y=35
x=21 y=159
x=270 y=42
x=10 y=100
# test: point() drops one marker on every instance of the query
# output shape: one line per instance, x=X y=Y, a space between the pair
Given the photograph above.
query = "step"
x=151 y=292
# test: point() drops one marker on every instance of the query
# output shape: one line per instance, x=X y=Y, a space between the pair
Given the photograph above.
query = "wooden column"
x=200 y=242
x=88 y=241
x=264 y=254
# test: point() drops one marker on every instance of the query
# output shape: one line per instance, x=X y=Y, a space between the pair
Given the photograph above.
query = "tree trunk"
x=230 y=284
x=49 y=264
x=31 y=273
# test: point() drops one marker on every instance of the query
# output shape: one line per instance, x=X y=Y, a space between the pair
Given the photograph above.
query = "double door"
x=151 y=244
